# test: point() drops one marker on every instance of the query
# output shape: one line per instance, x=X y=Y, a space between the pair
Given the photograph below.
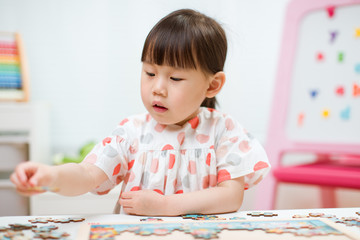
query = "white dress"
x=172 y=159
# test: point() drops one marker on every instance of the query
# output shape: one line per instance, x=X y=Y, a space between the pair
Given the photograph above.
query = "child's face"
x=172 y=95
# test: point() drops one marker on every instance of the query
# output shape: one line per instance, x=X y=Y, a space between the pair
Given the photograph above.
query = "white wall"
x=84 y=59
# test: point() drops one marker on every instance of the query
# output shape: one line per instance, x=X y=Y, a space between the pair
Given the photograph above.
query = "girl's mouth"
x=159 y=108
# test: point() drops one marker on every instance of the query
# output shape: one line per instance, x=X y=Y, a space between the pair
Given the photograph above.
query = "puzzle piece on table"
x=151 y=219
x=269 y=214
x=68 y=220
x=51 y=235
x=202 y=217
x=77 y=219
x=62 y=220
x=20 y=226
x=41 y=229
x=315 y=214
x=265 y=214
x=41 y=220
x=348 y=221
x=328 y=216
x=10 y=234
x=300 y=216
x=15 y=230
x=255 y=214
x=56 y=220
x=353 y=223
x=237 y=218
x=3 y=228
x=275 y=230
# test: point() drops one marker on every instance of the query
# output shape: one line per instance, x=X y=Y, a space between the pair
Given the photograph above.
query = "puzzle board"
x=324 y=72
x=245 y=229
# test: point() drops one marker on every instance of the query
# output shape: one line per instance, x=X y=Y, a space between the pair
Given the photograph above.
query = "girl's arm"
x=69 y=179
x=227 y=196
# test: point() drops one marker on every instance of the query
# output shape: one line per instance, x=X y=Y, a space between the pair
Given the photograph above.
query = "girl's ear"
x=216 y=83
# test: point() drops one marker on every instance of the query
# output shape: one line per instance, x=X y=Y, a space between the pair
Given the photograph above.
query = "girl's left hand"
x=143 y=202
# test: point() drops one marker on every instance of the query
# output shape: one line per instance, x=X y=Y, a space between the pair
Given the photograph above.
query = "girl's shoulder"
x=131 y=126
x=222 y=124
x=212 y=113
x=135 y=120
x=216 y=117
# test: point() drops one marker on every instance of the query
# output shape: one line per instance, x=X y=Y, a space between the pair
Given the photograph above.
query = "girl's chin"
x=166 y=122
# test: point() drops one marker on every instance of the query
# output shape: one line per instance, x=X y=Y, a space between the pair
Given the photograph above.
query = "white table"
x=72 y=228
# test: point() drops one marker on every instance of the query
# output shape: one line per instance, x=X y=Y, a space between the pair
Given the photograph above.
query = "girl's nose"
x=159 y=87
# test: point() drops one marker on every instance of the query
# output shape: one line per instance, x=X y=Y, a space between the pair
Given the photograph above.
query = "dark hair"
x=187 y=39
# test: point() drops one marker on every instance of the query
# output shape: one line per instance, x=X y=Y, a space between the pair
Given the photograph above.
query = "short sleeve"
x=239 y=154
x=110 y=155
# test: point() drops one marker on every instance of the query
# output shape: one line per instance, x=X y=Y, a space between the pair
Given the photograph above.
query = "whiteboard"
x=324 y=97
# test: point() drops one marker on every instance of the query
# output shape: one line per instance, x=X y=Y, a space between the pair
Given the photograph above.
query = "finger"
x=21 y=175
x=38 y=178
x=125 y=202
x=14 y=179
x=126 y=195
x=20 y=188
x=33 y=181
x=128 y=210
x=24 y=171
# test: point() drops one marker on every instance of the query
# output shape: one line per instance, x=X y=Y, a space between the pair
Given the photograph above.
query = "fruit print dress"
x=172 y=159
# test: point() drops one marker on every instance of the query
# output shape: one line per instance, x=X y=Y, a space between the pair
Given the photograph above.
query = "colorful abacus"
x=13 y=78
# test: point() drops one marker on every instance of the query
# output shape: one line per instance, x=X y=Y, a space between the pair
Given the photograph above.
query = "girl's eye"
x=176 y=79
x=150 y=74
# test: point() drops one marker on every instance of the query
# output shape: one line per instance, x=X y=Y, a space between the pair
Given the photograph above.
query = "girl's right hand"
x=29 y=177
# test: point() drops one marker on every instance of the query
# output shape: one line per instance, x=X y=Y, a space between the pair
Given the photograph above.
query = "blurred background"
x=84 y=67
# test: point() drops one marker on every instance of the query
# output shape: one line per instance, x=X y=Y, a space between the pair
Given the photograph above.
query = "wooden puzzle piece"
x=316 y=214
x=48 y=228
x=269 y=214
x=265 y=214
x=255 y=214
x=348 y=221
x=62 y=220
x=328 y=216
x=77 y=219
x=237 y=218
x=202 y=217
x=15 y=230
x=20 y=226
x=51 y=235
x=40 y=220
x=150 y=219
x=14 y=235
x=67 y=220
x=300 y=216
x=3 y=228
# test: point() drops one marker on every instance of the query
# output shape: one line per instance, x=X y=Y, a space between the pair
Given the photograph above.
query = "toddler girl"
x=181 y=157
